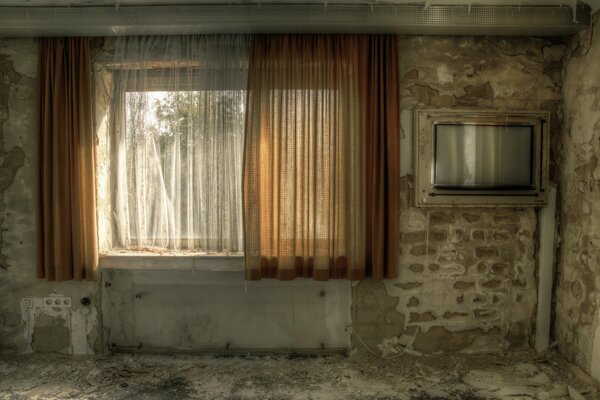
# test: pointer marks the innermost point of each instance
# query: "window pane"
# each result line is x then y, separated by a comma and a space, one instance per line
180, 170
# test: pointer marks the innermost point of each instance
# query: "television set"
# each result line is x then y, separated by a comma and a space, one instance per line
483, 158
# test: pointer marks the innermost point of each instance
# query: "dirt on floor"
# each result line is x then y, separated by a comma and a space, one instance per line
361, 376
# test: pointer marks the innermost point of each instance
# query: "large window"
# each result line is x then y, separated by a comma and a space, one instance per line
305, 130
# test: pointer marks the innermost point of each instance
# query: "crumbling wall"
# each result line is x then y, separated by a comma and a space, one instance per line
30, 317
578, 289
473, 287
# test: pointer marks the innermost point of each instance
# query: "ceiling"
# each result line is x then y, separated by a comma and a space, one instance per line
38, 3
594, 4
129, 17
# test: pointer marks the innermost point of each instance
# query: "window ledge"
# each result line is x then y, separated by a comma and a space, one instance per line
166, 262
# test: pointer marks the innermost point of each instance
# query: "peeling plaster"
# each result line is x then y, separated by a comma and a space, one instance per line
51, 324
477, 285
472, 288
21, 332
577, 306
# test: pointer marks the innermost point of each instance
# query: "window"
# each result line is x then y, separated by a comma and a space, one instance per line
179, 180
173, 152
319, 187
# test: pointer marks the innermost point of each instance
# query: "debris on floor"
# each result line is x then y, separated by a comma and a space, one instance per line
518, 376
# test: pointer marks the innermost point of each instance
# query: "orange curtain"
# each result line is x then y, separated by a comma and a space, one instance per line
316, 157
66, 220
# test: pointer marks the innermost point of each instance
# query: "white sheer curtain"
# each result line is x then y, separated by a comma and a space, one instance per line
177, 143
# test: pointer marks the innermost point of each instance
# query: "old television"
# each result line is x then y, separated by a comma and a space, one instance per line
481, 158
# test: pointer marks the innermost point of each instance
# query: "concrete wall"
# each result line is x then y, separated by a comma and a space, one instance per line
473, 289
578, 290
35, 315
200, 310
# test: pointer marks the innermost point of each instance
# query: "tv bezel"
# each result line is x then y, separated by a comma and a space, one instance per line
426, 193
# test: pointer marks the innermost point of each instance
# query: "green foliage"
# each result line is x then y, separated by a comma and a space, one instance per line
189, 115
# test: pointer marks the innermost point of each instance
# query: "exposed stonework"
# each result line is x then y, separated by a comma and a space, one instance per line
472, 288
578, 288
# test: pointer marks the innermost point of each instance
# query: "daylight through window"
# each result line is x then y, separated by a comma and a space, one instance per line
179, 171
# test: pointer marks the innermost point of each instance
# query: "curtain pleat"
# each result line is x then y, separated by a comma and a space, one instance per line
380, 125
319, 197
66, 219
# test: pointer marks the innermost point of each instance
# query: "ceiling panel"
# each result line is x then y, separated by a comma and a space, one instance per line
594, 4
38, 3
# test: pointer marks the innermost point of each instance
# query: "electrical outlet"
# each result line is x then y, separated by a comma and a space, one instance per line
57, 302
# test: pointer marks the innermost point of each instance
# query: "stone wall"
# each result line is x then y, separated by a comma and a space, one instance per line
578, 289
473, 288
27, 323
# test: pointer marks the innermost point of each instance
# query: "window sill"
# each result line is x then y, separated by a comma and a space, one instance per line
175, 262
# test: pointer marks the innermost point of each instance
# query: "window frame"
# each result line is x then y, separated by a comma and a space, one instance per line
123, 258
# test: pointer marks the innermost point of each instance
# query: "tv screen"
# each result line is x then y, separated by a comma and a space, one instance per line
470, 156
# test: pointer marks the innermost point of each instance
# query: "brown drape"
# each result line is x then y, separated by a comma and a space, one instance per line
380, 124
66, 219
321, 157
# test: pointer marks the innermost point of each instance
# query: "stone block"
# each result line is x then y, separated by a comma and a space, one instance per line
486, 252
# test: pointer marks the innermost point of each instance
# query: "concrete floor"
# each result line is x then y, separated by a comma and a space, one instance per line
515, 377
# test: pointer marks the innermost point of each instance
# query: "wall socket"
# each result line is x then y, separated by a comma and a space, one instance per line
57, 302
